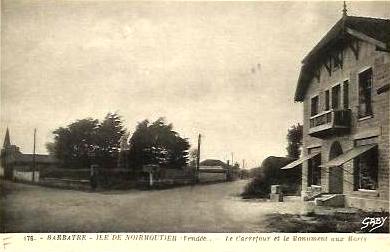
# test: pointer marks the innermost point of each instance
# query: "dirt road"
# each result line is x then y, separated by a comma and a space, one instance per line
201, 208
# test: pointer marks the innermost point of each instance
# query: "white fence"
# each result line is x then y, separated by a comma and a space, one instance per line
27, 176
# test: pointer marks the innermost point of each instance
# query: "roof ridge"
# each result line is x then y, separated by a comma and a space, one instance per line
374, 18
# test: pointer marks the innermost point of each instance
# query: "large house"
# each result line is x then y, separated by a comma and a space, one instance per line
344, 86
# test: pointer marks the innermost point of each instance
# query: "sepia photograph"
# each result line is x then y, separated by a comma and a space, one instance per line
200, 117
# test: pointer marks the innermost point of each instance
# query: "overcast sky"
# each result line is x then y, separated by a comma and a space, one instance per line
227, 70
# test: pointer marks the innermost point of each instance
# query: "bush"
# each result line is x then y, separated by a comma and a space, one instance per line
269, 173
115, 178
257, 187
77, 174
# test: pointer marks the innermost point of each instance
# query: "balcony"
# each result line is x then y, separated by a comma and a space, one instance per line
330, 123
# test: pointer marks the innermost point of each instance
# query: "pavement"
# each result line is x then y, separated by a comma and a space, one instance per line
199, 208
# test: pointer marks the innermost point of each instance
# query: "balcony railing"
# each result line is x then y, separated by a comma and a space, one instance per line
330, 123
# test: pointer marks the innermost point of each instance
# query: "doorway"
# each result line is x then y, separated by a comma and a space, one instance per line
336, 172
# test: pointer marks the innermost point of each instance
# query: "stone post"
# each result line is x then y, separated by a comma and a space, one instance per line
276, 193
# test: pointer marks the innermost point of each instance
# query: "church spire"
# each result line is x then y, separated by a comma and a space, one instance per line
345, 10
7, 141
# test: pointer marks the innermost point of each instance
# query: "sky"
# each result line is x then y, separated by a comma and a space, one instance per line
226, 70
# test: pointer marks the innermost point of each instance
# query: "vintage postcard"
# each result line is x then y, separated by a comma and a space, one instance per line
143, 125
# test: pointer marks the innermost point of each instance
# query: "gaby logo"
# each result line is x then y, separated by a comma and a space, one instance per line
373, 223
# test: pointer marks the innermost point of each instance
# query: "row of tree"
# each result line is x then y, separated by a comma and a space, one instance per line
108, 144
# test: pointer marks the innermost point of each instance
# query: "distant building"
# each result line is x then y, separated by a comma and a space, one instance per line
154, 175
344, 86
213, 170
18, 166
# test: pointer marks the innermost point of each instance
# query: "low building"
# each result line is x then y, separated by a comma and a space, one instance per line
156, 176
212, 170
18, 166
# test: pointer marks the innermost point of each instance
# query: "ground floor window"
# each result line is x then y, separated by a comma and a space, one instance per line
366, 171
314, 171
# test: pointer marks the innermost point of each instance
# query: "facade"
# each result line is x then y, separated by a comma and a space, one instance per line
18, 166
344, 87
209, 174
213, 170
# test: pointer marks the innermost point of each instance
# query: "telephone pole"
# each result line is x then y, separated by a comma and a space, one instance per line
33, 157
232, 160
198, 156
198, 159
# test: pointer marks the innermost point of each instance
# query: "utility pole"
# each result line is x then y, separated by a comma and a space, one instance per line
243, 164
232, 160
198, 157
33, 157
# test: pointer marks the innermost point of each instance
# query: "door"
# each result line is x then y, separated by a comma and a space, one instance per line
335, 173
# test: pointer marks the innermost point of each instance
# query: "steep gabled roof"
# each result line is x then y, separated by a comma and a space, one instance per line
213, 162
376, 28
7, 141
372, 30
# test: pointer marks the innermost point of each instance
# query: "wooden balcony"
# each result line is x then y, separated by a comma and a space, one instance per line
330, 123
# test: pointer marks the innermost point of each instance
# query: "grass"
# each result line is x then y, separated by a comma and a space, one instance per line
315, 223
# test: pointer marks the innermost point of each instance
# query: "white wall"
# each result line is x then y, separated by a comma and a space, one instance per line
26, 176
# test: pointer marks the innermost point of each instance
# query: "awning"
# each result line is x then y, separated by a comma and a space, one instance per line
351, 154
299, 161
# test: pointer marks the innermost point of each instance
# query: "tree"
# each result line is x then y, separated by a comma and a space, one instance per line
124, 151
109, 134
294, 140
193, 155
74, 144
157, 143
87, 142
